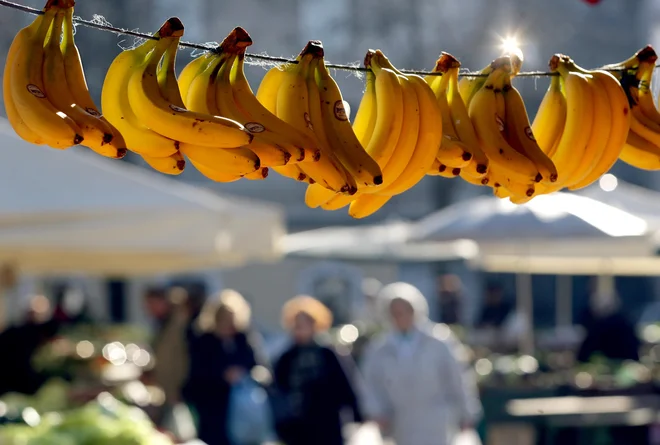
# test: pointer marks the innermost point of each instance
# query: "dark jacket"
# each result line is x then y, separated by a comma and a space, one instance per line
317, 388
206, 389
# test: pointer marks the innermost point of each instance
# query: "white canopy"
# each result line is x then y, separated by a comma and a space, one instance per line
73, 211
560, 233
385, 241
640, 201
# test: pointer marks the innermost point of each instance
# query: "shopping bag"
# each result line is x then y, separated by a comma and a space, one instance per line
179, 421
249, 419
467, 437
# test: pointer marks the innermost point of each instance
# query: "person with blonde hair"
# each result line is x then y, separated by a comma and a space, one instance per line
416, 389
311, 381
223, 353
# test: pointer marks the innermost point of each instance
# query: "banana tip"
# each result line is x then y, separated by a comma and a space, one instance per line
482, 169
647, 54
378, 180
314, 48
367, 58
121, 153
237, 40
173, 27
181, 165
446, 62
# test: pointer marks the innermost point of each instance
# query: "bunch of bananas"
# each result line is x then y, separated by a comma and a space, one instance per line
582, 123
642, 147
215, 83
141, 97
304, 95
399, 125
45, 92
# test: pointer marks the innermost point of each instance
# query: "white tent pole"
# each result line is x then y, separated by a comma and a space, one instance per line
525, 307
564, 301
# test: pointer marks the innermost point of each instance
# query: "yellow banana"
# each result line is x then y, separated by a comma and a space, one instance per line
191, 70
293, 107
640, 153
214, 175
237, 161
501, 179
339, 132
52, 125
602, 124
367, 205
117, 109
618, 131
269, 152
75, 79
550, 118
520, 135
389, 111
579, 123
439, 169
172, 121
13, 116
257, 175
469, 85
98, 134
298, 144
489, 125
430, 135
269, 88
166, 75
478, 166
170, 165
365, 118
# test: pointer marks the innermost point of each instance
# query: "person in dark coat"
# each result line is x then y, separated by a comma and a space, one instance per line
219, 357
312, 379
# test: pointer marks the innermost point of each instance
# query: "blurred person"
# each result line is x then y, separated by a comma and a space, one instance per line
312, 381
416, 389
70, 306
223, 353
449, 299
609, 332
18, 344
496, 308
168, 310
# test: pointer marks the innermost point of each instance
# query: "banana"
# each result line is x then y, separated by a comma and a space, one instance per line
293, 107
301, 147
500, 179
97, 133
191, 70
640, 153
406, 137
367, 205
602, 124
166, 75
430, 135
618, 130
439, 169
488, 126
269, 88
170, 165
75, 79
576, 136
339, 132
53, 125
457, 125
214, 175
237, 161
318, 128
365, 118
172, 121
13, 116
264, 142
389, 111
117, 109
520, 135
550, 118
257, 175
469, 85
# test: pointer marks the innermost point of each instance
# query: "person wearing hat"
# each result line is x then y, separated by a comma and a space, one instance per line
311, 381
415, 387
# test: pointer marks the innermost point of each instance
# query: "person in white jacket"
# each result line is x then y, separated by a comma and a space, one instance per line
415, 387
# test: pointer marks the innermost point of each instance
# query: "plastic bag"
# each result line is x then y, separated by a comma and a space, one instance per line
249, 419
179, 421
